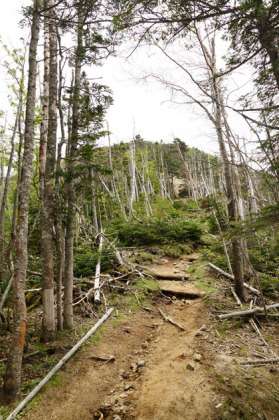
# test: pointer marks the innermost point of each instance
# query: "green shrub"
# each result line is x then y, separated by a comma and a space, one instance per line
269, 285
263, 259
85, 261
158, 230
185, 205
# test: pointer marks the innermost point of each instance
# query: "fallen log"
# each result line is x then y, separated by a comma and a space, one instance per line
259, 362
247, 312
171, 321
231, 277
57, 367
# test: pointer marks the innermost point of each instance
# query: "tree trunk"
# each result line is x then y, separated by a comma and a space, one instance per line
12, 378
71, 195
48, 321
45, 111
237, 257
58, 204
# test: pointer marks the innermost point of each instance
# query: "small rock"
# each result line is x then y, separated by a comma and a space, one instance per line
173, 297
197, 357
144, 345
116, 417
109, 393
123, 395
128, 330
226, 415
190, 366
232, 410
122, 372
128, 386
141, 363
134, 367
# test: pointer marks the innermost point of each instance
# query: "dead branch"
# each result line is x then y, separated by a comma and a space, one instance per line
248, 312
171, 321
231, 277
236, 297
57, 367
255, 327
102, 359
259, 362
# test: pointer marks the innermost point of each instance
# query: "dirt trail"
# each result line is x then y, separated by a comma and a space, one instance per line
159, 373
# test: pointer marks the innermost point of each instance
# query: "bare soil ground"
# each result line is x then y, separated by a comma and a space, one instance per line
156, 383
163, 373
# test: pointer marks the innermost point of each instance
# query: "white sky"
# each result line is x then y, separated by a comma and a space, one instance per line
138, 108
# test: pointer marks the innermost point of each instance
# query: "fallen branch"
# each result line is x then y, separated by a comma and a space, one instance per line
57, 367
248, 312
259, 362
171, 321
236, 297
255, 327
102, 359
231, 277
32, 290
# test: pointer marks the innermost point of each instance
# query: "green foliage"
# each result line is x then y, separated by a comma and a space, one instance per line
269, 285
85, 260
158, 230
185, 205
264, 259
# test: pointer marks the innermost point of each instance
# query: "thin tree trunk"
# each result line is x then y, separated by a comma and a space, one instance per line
58, 203
71, 194
12, 378
236, 246
48, 321
45, 110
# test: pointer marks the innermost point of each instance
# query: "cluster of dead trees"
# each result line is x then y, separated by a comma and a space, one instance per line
67, 167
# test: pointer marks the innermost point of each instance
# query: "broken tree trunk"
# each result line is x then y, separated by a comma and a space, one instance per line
97, 298
248, 312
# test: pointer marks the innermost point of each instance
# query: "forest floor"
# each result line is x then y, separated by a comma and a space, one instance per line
160, 372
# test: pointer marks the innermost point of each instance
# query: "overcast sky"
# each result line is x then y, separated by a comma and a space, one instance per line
139, 108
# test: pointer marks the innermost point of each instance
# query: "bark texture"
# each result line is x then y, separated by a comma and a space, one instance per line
12, 378
48, 321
